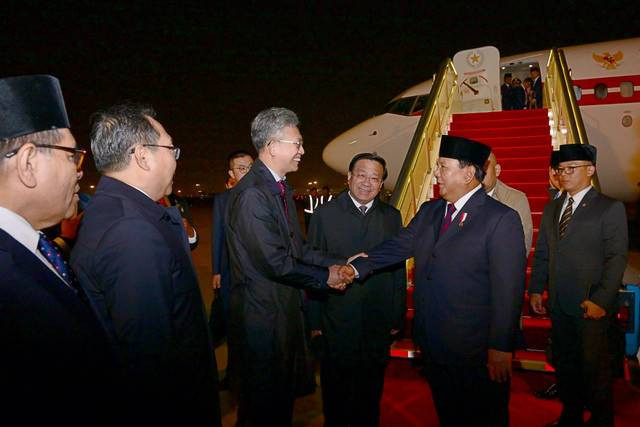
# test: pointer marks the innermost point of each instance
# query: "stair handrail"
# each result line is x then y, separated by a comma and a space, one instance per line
414, 181
567, 126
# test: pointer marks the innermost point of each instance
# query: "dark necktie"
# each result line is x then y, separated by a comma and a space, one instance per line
451, 208
566, 217
51, 252
363, 209
283, 197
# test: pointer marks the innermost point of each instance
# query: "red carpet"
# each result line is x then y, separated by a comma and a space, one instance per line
407, 400
521, 141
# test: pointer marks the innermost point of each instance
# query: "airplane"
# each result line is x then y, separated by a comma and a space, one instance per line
606, 79
606, 83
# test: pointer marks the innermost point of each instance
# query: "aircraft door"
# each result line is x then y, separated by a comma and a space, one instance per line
479, 78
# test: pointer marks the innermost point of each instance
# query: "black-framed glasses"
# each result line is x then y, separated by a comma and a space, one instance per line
77, 158
176, 150
569, 169
242, 168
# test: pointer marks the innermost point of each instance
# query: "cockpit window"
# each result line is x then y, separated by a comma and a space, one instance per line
401, 106
419, 105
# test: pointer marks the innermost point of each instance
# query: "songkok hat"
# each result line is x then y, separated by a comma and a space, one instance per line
30, 104
570, 152
555, 158
507, 74
455, 147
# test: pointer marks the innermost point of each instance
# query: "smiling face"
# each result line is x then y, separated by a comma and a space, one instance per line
365, 180
286, 149
453, 179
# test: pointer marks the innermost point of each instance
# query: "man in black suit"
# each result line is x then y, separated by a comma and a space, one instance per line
581, 253
505, 92
239, 165
270, 264
537, 84
357, 326
55, 362
132, 258
470, 269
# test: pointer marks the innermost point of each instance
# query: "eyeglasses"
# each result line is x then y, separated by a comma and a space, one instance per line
373, 179
176, 150
242, 169
77, 158
298, 144
569, 169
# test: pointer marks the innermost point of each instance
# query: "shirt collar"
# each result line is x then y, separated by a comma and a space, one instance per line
18, 228
463, 200
277, 177
577, 198
358, 204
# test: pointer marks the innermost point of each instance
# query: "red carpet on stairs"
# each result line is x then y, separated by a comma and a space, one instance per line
521, 141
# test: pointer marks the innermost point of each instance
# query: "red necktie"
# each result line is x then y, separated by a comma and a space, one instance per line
283, 197
451, 208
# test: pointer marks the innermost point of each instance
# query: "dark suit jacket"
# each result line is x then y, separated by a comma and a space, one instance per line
505, 93
469, 281
132, 258
518, 98
589, 262
219, 253
537, 88
270, 264
356, 324
56, 363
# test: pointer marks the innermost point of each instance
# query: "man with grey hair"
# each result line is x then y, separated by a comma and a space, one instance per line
132, 258
55, 362
270, 265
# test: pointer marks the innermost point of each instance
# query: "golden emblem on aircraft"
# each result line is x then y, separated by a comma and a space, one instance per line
609, 61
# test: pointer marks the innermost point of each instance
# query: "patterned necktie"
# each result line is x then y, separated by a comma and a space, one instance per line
51, 252
283, 197
363, 209
566, 217
451, 208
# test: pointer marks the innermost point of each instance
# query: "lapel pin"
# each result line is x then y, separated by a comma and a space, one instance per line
463, 217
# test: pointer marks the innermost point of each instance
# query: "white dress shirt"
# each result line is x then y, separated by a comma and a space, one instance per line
577, 198
358, 204
462, 201
18, 228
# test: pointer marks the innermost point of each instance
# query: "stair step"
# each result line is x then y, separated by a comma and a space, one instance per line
523, 175
511, 141
502, 132
496, 115
500, 123
531, 361
522, 151
541, 162
530, 188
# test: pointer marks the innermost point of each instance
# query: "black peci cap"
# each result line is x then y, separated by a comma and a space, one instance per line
455, 147
30, 104
570, 152
555, 158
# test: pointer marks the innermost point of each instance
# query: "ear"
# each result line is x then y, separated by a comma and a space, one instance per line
498, 169
230, 172
27, 163
349, 176
142, 157
591, 170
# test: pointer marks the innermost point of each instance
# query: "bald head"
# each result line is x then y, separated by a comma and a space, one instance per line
493, 172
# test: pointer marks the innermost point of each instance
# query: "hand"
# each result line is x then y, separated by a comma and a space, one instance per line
592, 310
315, 333
499, 365
394, 332
188, 227
536, 303
347, 273
335, 280
216, 281
361, 254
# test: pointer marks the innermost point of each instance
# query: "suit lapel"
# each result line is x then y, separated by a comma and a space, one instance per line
580, 211
466, 214
556, 215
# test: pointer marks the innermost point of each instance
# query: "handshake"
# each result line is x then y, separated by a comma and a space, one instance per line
342, 275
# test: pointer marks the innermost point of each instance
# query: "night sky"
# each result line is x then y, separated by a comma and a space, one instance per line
208, 68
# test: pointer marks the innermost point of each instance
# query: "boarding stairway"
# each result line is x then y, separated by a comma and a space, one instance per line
522, 142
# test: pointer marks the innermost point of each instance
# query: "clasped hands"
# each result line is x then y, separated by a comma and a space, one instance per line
340, 276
